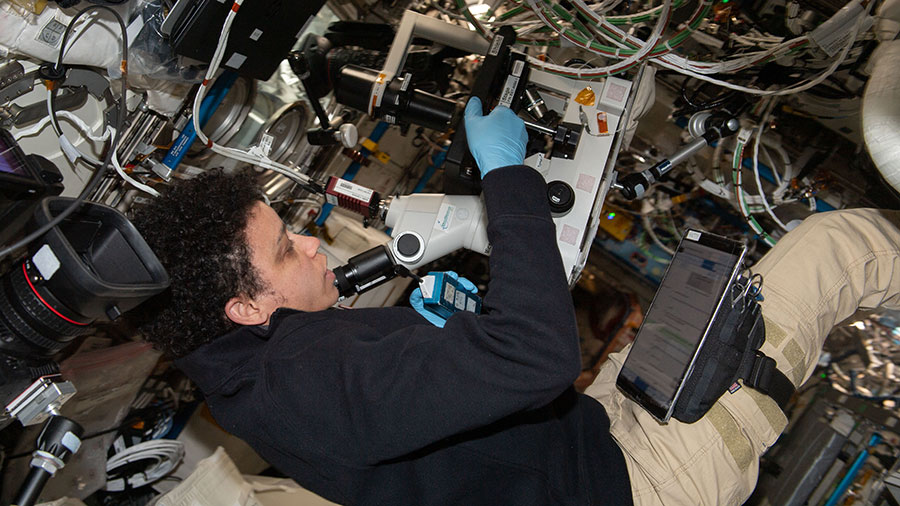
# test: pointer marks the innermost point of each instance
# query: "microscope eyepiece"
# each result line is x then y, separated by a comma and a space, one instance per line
364, 271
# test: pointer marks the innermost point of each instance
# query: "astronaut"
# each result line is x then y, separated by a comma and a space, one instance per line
382, 406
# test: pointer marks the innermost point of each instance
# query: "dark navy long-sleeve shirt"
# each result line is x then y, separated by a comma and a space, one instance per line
378, 406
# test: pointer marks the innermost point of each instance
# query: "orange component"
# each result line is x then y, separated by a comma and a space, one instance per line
602, 125
586, 97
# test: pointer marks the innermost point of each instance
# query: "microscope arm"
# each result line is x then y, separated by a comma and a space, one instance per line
425, 227
633, 186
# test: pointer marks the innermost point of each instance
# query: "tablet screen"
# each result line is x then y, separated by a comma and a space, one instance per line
678, 319
9, 162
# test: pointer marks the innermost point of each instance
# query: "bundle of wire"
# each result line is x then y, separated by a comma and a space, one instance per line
631, 49
158, 458
740, 195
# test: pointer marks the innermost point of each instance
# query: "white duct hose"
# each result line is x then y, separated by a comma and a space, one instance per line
881, 112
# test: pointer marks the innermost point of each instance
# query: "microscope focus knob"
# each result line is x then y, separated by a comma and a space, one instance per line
561, 197
408, 247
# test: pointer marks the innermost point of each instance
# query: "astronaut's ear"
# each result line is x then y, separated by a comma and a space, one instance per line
244, 310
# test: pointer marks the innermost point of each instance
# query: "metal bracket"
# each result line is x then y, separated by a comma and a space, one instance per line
41, 399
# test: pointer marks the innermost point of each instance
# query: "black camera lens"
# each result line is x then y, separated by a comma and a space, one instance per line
32, 321
399, 103
93, 266
364, 271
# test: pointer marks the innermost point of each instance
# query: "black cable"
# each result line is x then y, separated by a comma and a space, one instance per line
100, 172
694, 106
62, 48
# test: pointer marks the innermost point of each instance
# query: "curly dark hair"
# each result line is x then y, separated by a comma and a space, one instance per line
197, 229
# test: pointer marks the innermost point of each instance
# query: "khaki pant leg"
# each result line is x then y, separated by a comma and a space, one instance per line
714, 461
816, 276
820, 274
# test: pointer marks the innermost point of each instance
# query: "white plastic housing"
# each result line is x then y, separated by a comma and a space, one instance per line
445, 223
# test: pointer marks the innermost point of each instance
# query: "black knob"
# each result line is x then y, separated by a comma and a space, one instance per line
408, 245
560, 196
634, 185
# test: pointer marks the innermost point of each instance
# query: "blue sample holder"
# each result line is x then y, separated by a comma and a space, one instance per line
444, 295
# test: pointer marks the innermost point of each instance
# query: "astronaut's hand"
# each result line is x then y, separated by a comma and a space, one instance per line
418, 302
496, 140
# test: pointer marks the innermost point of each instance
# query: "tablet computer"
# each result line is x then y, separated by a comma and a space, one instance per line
678, 320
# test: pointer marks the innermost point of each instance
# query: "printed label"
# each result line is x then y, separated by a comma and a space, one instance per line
471, 305
370, 283
257, 33
445, 217
460, 302
449, 293
235, 61
427, 287
495, 45
377, 92
353, 190
693, 235
405, 84
509, 91
51, 33
46, 262
518, 67
265, 144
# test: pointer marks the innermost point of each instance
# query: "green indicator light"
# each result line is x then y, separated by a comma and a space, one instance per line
610, 216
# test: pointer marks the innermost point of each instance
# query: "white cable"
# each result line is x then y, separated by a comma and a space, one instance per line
778, 194
608, 5
128, 179
649, 228
786, 91
628, 17
700, 70
645, 47
80, 123
666, 61
166, 453
69, 149
762, 194
236, 154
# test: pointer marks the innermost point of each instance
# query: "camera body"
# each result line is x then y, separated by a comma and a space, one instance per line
90, 267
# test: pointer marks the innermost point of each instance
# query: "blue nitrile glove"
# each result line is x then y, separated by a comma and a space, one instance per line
418, 302
495, 140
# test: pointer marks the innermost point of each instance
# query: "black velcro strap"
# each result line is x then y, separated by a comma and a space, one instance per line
766, 378
781, 389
